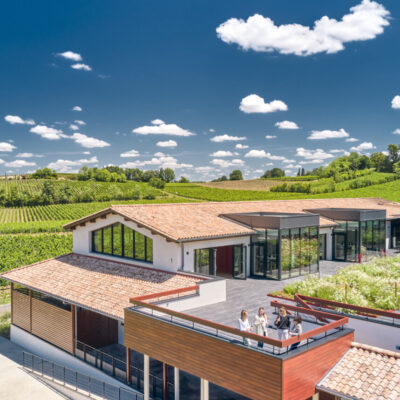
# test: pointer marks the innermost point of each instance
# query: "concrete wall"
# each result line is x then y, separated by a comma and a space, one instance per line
166, 255
375, 334
49, 352
210, 292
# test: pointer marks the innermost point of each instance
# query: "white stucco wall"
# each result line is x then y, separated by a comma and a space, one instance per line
388, 235
189, 248
329, 241
166, 255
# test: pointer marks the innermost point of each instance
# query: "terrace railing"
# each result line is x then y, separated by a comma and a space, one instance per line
270, 345
76, 381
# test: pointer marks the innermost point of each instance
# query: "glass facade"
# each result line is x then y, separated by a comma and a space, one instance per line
352, 238
122, 241
285, 253
204, 261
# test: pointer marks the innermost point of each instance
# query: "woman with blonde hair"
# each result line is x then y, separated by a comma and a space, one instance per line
261, 323
244, 326
282, 322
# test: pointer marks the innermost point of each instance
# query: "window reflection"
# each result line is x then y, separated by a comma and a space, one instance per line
122, 241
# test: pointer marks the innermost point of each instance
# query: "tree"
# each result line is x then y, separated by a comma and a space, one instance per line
396, 168
134, 174
377, 161
393, 155
114, 168
236, 175
157, 183
183, 180
275, 173
45, 173
167, 174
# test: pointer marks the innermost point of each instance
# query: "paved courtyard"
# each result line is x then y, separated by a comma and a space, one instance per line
249, 294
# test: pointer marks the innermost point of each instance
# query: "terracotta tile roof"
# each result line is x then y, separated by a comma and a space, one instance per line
185, 221
100, 285
365, 373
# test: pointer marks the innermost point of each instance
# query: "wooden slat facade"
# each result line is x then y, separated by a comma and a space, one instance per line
44, 320
21, 310
301, 373
52, 324
249, 373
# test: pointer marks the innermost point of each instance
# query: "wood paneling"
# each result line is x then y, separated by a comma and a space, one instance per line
302, 373
21, 313
250, 373
96, 329
52, 324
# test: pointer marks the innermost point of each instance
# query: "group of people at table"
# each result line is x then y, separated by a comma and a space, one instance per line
260, 326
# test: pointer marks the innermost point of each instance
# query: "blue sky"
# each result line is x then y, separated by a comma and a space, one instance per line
197, 86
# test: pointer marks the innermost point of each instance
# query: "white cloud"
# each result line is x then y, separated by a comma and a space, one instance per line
396, 131
275, 158
287, 125
157, 121
6, 147
225, 163
317, 154
316, 161
204, 170
15, 119
47, 132
76, 108
130, 153
87, 141
227, 138
159, 127
256, 104
74, 127
288, 162
270, 137
352, 140
241, 146
28, 155
80, 122
19, 164
221, 153
161, 161
256, 154
363, 146
167, 143
328, 134
328, 35
80, 66
70, 55
67, 165
211, 130
396, 102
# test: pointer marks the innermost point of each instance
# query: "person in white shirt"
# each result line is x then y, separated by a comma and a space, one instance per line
261, 323
244, 326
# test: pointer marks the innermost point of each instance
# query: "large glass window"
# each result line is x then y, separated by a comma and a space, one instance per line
122, 241
204, 261
373, 236
296, 252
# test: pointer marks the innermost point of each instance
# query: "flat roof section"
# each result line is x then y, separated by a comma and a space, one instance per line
96, 284
264, 220
350, 214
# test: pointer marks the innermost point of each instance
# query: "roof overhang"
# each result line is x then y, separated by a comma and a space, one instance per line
350, 214
274, 220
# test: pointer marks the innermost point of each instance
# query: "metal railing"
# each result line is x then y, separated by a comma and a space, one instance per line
250, 340
74, 380
116, 368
